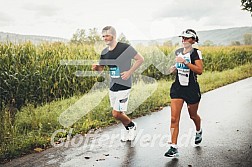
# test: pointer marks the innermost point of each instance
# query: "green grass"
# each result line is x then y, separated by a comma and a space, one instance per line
33, 127
212, 80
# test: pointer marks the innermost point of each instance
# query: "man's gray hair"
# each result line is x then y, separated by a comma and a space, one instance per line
109, 30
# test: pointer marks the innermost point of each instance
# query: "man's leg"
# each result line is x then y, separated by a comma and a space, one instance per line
120, 106
121, 116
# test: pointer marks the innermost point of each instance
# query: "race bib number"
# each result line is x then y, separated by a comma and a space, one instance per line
114, 72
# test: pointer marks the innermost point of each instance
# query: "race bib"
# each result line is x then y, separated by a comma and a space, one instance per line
183, 71
114, 72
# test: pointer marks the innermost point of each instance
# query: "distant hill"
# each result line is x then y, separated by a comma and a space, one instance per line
217, 36
18, 38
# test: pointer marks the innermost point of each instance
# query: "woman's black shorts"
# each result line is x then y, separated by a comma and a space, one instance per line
190, 94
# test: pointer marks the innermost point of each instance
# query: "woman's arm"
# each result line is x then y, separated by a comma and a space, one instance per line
197, 67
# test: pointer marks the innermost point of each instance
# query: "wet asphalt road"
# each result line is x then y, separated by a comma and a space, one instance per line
226, 115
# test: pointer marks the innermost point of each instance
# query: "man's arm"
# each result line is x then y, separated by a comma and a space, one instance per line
138, 61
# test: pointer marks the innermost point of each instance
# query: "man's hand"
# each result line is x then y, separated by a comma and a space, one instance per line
94, 67
97, 67
125, 75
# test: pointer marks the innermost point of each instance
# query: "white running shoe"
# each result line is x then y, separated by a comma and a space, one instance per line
132, 132
124, 135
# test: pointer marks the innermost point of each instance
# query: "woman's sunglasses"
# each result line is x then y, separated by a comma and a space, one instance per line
185, 38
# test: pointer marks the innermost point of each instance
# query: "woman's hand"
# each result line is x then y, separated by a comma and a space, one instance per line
180, 59
173, 70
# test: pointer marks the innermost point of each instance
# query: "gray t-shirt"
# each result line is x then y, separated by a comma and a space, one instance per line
118, 60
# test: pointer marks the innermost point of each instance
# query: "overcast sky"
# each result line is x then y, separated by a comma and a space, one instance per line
137, 19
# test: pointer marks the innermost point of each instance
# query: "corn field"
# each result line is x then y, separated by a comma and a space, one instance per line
222, 58
32, 74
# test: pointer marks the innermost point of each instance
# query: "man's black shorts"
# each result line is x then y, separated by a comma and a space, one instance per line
190, 94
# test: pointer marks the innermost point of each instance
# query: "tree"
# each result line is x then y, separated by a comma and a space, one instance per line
153, 43
247, 39
235, 43
79, 37
123, 39
93, 36
247, 5
167, 43
208, 43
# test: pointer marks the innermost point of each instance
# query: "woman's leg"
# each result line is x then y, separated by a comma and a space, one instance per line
192, 109
176, 106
